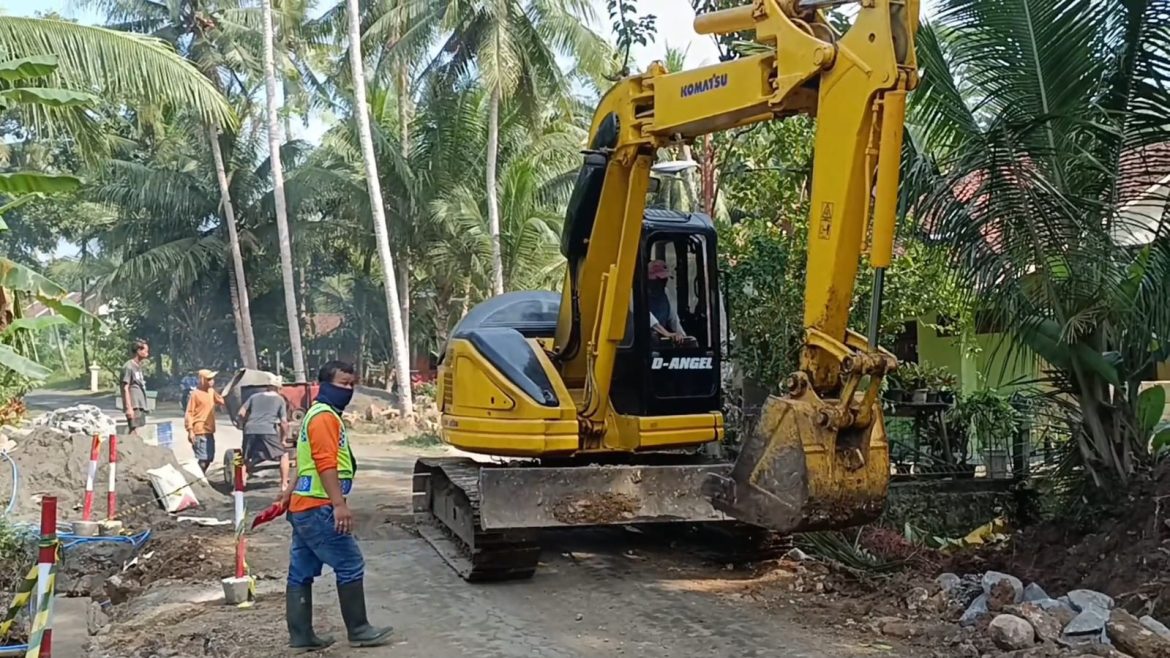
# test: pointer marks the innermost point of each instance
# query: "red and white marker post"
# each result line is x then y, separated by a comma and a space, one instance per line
112, 495
90, 476
237, 590
46, 558
238, 496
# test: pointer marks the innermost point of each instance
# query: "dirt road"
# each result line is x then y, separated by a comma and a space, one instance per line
601, 593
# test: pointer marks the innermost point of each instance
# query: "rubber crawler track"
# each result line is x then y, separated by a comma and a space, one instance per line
446, 511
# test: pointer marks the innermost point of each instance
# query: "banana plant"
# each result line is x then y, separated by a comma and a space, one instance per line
21, 92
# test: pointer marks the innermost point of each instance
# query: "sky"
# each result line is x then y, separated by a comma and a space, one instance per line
674, 28
674, 25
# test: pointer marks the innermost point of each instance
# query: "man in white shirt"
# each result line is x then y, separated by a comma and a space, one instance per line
663, 318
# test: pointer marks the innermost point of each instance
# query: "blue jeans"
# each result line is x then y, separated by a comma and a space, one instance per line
316, 542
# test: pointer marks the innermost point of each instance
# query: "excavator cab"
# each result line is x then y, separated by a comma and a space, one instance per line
669, 360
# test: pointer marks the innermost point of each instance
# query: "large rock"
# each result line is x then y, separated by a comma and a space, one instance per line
1062, 610
990, 579
119, 588
1087, 598
1011, 633
948, 582
1130, 636
1048, 628
977, 609
1002, 595
1034, 592
1088, 626
1154, 625
96, 620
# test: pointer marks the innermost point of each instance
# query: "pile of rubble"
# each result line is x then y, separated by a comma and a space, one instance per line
53, 462
389, 419
997, 609
80, 419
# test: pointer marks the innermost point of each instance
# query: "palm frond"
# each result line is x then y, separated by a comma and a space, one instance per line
116, 65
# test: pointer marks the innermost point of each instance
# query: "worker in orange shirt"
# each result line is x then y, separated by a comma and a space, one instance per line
200, 418
322, 521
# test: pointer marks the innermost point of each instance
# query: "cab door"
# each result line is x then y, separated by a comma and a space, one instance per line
682, 375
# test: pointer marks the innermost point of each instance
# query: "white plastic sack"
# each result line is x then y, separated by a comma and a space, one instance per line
171, 488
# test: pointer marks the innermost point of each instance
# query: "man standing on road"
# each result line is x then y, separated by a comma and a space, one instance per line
322, 521
134, 387
188, 383
200, 418
265, 417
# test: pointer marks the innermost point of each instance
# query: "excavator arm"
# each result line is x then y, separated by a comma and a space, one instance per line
819, 456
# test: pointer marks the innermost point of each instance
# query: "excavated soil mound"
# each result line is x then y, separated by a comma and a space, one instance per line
185, 553
1126, 553
51, 462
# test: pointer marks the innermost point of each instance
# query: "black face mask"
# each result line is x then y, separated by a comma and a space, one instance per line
658, 285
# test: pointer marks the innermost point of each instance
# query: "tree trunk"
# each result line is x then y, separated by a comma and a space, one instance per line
286, 264
86, 305
404, 294
363, 317
707, 169
61, 351
381, 233
233, 294
244, 326
493, 145
404, 259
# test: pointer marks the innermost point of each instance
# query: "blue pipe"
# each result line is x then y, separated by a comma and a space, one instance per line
69, 539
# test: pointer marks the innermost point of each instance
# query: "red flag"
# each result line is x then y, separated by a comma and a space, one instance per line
271, 512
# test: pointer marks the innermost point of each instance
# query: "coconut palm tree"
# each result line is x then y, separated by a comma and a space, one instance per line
215, 37
514, 47
377, 210
285, 240
126, 68
1038, 126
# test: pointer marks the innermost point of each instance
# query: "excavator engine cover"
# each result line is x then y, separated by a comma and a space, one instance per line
794, 473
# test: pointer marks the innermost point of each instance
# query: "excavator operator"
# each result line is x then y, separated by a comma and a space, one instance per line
663, 318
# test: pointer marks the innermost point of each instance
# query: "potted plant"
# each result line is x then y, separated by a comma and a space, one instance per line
943, 384
948, 384
895, 390
932, 380
990, 421
913, 378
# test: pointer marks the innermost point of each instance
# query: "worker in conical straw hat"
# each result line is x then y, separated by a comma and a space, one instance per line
264, 417
200, 418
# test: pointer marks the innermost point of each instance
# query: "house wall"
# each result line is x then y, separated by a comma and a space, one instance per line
991, 365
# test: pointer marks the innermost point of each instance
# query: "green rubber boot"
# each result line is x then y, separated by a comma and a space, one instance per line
352, 597
298, 613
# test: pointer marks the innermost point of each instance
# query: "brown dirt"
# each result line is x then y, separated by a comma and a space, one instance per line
1125, 554
596, 509
205, 629
186, 553
51, 462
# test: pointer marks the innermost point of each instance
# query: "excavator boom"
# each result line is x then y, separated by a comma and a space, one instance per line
819, 456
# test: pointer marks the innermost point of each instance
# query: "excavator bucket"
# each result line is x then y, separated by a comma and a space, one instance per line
795, 474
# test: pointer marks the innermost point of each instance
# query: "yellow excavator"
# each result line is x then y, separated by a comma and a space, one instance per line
593, 404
